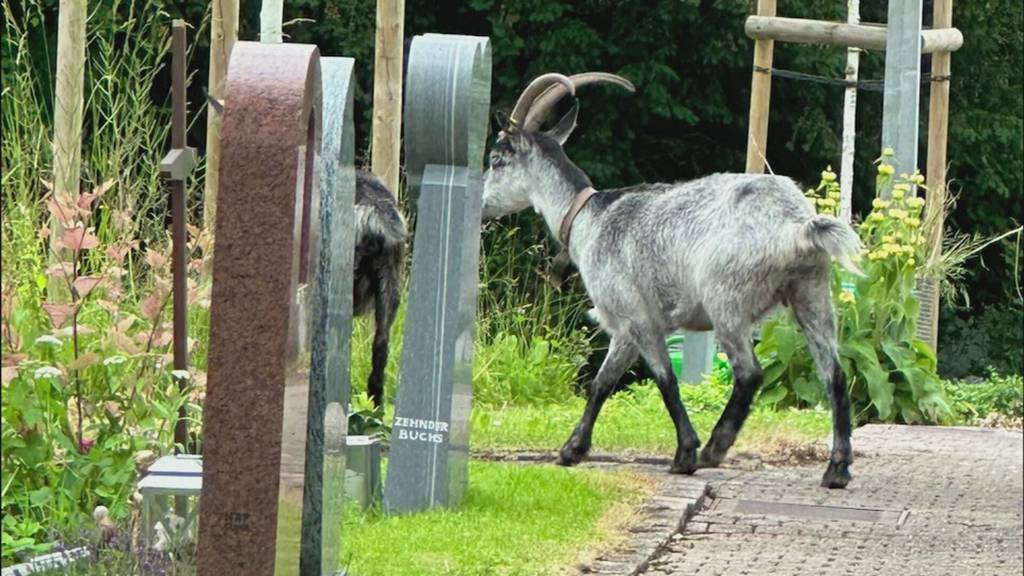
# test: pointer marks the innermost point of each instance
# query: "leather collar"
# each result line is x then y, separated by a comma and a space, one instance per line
577, 204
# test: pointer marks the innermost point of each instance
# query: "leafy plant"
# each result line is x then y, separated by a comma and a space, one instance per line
998, 394
891, 373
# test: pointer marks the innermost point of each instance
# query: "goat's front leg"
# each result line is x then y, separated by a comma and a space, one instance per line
655, 353
621, 355
748, 376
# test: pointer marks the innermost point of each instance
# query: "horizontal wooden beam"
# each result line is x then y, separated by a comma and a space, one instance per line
864, 36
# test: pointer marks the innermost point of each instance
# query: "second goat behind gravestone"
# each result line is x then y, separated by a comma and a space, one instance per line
380, 237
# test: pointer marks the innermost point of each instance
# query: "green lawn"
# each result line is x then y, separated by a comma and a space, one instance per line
636, 422
515, 520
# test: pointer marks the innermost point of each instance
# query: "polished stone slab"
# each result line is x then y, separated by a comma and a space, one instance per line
259, 364
447, 98
331, 327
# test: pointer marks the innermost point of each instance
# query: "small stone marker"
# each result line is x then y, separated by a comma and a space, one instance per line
254, 417
447, 98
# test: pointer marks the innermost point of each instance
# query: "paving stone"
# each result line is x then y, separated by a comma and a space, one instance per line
952, 497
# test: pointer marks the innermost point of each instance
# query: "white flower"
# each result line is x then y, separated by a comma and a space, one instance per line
46, 372
181, 375
49, 339
114, 360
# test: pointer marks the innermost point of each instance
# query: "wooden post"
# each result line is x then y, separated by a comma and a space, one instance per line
760, 96
387, 91
67, 125
938, 133
271, 17
901, 101
849, 120
223, 35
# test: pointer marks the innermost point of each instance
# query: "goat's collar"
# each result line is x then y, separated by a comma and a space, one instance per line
577, 204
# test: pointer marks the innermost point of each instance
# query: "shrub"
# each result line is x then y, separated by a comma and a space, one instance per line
997, 395
891, 373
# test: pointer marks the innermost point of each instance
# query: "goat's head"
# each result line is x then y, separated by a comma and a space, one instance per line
522, 150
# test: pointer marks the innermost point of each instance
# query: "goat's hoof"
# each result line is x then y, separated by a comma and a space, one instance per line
837, 475
570, 456
708, 460
684, 465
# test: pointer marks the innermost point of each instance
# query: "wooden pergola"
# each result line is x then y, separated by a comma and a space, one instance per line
904, 41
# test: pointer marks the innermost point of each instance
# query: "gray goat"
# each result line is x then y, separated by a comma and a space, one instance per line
377, 274
717, 253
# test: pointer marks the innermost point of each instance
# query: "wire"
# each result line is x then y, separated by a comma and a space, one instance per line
866, 85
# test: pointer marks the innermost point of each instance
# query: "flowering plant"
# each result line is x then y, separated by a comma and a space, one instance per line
891, 373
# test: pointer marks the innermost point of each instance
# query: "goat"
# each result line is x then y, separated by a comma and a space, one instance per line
717, 253
380, 235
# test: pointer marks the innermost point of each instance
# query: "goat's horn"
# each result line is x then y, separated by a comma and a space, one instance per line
534, 89
552, 94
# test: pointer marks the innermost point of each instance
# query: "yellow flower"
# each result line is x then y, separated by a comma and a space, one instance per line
887, 238
898, 214
917, 178
845, 296
828, 175
888, 152
913, 222
878, 203
915, 202
886, 169
911, 262
875, 217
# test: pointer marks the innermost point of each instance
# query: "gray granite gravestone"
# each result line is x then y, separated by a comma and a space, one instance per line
331, 327
447, 98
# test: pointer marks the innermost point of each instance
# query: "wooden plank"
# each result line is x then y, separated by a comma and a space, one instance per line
223, 35
938, 134
760, 96
387, 92
67, 122
849, 120
901, 101
816, 32
849, 34
941, 40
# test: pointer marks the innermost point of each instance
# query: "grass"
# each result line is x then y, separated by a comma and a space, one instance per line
522, 520
636, 422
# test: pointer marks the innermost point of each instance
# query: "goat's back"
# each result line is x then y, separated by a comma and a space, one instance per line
677, 249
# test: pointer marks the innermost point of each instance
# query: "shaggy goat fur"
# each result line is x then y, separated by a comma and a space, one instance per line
377, 277
717, 253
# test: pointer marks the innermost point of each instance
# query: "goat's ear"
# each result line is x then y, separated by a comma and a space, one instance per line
566, 125
499, 121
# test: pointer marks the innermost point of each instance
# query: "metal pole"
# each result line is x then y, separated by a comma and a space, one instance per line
900, 107
179, 256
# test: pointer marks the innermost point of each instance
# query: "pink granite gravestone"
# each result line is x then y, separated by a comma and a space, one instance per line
254, 415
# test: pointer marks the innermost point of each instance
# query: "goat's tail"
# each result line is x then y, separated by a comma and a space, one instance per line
382, 220
834, 237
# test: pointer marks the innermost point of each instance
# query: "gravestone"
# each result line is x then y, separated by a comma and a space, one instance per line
447, 98
264, 429
331, 330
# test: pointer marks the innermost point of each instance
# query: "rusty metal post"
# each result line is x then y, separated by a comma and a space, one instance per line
176, 167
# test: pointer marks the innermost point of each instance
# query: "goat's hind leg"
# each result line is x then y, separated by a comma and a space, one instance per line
812, 307
621, 355
386, 301
747, 377
655, 353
